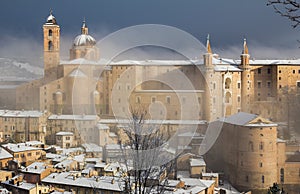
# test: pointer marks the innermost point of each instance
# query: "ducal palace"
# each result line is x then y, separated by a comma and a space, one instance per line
253, 96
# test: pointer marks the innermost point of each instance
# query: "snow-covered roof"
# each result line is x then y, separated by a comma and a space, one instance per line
51, 19
102, 126
64, 163
4, 154
197, 162
72, 150
22, 185
100, 165
210, 174
275, 62
4, 191
79, 158
91, 147
101, 183
194, 189
32, 143
244, 119
84, 40
172, 122
156, 62
226, 68
112, 147
197, 182
64, 133
19, 147
35, 168
20, 113
240, 118
77, 73
73, 117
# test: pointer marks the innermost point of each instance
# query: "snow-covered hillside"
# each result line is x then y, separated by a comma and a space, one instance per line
11, 69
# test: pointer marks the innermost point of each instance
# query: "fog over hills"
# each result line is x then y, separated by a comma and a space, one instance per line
12, 69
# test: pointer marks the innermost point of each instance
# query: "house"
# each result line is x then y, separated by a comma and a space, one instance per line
23, 153
35, 172
5, 156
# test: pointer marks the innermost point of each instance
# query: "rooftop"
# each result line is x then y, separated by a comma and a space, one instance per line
197, 162
19, 147
73, 117
247, 119
91, 147
20, 113
35, 168
63, 133
66, 178
4, 154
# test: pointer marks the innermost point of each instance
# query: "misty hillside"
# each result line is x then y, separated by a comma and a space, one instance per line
11, 69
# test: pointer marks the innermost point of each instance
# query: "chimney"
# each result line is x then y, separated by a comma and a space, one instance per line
112, 181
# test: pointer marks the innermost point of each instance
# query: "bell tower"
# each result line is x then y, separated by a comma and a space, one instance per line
51, 47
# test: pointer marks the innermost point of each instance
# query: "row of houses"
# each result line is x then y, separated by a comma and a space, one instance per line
66, 130
77, 170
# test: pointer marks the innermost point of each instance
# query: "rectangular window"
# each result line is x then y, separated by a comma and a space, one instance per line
269, 71
298, 84
28, 154
239, 85
153, 99
168, 99
259, 84
259, 71
199, 100
268, 84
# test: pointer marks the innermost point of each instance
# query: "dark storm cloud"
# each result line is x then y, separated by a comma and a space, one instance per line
228, 22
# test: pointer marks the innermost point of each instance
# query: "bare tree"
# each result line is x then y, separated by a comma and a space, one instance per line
287, 8
146, 156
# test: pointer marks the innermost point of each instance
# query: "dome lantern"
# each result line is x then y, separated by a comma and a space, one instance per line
51, 19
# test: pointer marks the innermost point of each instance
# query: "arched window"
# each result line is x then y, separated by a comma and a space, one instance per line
50, 32
228, 97
227, 83
50, 46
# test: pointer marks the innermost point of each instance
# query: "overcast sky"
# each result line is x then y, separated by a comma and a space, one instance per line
227, 22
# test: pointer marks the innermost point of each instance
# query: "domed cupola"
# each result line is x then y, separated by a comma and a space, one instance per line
51, 19
84, 46
84, 39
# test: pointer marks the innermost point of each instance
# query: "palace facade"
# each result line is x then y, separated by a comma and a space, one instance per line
217, 87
